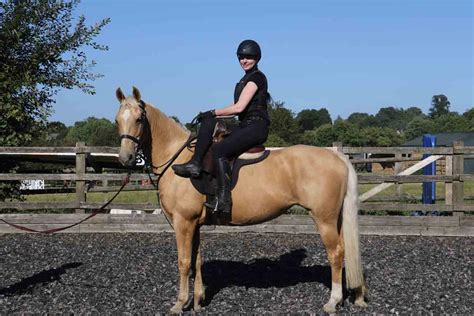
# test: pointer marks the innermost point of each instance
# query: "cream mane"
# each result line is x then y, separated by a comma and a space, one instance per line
167, 135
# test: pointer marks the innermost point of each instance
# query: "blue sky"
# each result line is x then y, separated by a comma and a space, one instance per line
347, 56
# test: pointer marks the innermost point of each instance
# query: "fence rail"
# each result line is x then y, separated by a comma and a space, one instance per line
297, 224
137, 177
83, 156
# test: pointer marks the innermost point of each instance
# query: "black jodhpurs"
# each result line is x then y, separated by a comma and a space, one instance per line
243, 137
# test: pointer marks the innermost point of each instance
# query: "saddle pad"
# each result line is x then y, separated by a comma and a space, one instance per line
239, 163
253, 153
206, 184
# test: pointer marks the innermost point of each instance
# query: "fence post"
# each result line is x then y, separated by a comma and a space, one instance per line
105, 186
398, 168
458, 184
80, 170
448, 185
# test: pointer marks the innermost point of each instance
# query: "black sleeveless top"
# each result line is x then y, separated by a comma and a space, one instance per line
257, 106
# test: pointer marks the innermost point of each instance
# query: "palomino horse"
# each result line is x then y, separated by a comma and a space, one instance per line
318, 179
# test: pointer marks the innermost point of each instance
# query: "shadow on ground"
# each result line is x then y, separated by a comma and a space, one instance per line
263, 273
27, 285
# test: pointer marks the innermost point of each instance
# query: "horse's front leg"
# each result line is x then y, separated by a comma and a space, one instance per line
199, 293
184, 230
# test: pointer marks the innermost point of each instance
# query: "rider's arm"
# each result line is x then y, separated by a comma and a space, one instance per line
247, 94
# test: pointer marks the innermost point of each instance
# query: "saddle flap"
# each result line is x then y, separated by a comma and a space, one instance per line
206, 183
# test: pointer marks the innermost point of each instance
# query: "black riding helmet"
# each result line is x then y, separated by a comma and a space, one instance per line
250, 48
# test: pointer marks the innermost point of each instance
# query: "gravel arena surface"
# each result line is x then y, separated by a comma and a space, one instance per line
244, 273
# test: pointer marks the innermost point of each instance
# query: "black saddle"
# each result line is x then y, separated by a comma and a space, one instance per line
206, 183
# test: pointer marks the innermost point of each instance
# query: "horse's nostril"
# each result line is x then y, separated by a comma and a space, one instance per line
130, 157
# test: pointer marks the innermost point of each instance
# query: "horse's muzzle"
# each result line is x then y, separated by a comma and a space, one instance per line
127, 159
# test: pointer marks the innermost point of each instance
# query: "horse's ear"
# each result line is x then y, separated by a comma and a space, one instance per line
136, 94
119, 94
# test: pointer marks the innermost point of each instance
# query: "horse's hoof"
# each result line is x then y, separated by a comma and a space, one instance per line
176, 309
361, 303
197, 308
197, 304
329, 308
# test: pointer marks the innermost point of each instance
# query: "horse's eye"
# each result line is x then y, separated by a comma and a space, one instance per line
139, 120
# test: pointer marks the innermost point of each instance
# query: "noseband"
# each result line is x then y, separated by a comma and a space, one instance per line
142, 156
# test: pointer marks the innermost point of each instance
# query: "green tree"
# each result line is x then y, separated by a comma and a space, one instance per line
309, 119
396, 118
283, 123
419, 126
381, 137
469, 115
309, 137
53, 135
41, 52
94, 132
274, 140
452, 122
362, 119
439, 106
347, 133
413, 112
388, 116
322, 136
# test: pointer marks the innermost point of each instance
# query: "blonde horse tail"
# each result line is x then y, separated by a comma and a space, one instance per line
350, 230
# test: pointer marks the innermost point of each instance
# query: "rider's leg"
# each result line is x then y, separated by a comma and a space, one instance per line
224, 183
193, 167
240, 140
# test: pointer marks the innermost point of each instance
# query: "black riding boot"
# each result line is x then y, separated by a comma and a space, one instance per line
224, 178
190, 169
193, 167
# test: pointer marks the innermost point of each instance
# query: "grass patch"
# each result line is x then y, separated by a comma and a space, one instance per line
123, 197
413, 190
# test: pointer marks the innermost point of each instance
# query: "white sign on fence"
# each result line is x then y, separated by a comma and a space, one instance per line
32, 185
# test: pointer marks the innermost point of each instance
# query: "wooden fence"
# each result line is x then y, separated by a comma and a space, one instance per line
84, 157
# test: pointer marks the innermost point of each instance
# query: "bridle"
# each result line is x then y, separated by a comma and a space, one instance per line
140, 154
139, 149
139, 140
144, 122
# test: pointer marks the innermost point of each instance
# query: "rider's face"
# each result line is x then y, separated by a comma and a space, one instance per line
247, 62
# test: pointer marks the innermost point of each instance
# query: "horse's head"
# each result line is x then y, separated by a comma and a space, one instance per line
131, 122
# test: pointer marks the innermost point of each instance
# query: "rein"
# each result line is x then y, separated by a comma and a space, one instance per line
148, 165
140, 152
54, 230
167, 164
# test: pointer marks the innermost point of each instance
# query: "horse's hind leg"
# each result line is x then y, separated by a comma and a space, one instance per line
198, 285
184, 238
335, 249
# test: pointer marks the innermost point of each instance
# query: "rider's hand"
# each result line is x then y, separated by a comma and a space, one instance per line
206, 115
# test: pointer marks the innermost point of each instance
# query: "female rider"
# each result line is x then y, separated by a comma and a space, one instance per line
250, 104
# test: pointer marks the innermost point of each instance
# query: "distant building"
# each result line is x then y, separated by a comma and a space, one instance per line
446, 140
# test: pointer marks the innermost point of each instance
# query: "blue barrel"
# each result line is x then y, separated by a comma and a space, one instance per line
429, 188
